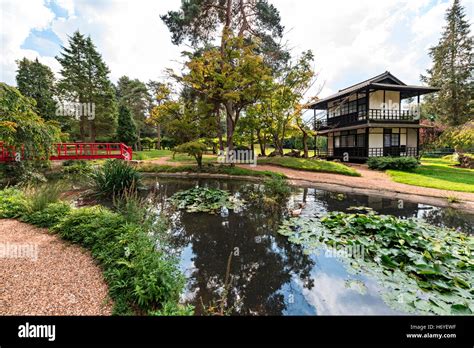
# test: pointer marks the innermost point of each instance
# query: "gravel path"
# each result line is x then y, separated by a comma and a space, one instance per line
63, 280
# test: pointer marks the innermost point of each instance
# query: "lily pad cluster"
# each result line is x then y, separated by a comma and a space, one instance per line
425, 269
204, 199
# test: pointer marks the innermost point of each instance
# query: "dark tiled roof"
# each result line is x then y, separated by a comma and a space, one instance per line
376, 81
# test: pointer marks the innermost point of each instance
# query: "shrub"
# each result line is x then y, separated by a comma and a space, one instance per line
192, 148
148, 143
23, 173
12, 203
398, 163
49, 216
115, 177
141, 279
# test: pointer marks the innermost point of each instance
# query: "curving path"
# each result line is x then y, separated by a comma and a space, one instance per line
63, 280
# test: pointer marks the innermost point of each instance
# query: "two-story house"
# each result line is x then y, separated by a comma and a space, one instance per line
376, 117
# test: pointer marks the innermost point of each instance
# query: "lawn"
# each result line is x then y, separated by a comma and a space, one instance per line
151, 154
312, 165
437, 173
182, 157
178, 157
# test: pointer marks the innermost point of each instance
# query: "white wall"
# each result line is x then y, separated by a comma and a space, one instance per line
392, 99
411, 137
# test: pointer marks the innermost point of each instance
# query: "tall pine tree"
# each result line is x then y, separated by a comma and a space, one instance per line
85, 80
36, 80
135, 96
452, 70
126, 130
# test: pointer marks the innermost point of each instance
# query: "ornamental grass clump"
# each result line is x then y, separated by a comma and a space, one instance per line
114, 178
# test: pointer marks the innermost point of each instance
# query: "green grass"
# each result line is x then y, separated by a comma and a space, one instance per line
181, 157
312, 165
152, 154
438, 173
156, 168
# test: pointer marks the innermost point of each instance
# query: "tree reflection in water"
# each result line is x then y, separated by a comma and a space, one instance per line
264, 267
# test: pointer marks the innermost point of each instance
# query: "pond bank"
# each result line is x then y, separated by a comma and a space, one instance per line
52, 278
343, 184
376, 183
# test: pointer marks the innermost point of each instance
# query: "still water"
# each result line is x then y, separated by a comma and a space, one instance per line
267, 275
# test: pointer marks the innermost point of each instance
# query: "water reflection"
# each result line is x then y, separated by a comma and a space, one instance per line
267, 275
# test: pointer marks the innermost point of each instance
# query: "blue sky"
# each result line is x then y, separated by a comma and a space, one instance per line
351, 40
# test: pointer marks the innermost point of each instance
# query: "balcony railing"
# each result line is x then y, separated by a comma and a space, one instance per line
392, 115
362, 152
376, 115
401, 151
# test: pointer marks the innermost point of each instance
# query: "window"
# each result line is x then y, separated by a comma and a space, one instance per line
362, 106
395, 139
344, 109
390, 138
337, 141
353, 106
347, 139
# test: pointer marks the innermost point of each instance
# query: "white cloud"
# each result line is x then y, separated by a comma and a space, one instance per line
355, 40
18, 18
129, 34
352, 40
68, 5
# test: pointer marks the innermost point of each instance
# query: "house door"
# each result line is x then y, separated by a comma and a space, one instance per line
391, 143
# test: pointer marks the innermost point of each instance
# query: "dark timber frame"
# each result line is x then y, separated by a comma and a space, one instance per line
361, 109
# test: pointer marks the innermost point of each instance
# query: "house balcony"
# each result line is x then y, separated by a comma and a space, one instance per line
373, 115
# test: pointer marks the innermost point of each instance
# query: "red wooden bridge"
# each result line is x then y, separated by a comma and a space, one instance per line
73, 151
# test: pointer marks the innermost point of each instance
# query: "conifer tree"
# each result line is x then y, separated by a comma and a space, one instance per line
126, 130
452, 70
85, 80
36, 80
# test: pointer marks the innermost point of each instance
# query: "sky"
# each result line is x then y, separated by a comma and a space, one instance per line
352, 40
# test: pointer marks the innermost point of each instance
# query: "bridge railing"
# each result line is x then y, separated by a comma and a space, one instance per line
76, 151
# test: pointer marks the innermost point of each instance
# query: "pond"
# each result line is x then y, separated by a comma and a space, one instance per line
266, 274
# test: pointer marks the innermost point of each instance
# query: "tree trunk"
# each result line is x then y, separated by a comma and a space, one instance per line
199, 160
231, 119
305, 145
158, 137
219, 127
139, 141
252, 147
92, 130
278, 144
82, 129
261, 143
